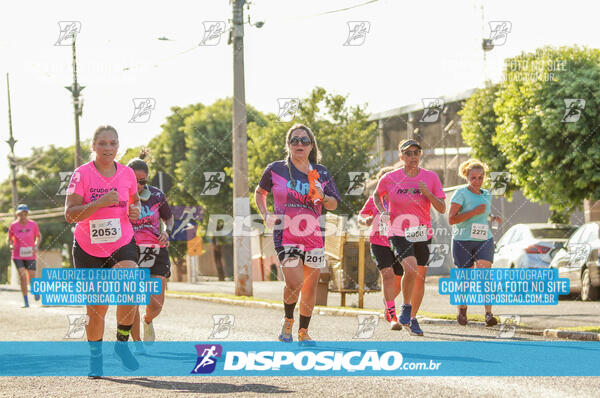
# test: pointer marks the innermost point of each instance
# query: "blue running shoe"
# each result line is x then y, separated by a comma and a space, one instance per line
286, 330
405, 315
415, 329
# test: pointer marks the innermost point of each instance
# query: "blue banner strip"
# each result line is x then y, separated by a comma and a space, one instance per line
346, 358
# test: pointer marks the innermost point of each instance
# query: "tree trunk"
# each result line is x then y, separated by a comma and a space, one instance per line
218, 258
181, 269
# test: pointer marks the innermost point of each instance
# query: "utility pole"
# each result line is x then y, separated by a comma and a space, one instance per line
12, 160
75, 90
242, 261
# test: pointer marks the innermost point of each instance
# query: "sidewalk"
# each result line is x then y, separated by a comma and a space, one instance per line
568, 313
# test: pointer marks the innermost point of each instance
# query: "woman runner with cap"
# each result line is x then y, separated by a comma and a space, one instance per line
390, 268
410, 192
24, 240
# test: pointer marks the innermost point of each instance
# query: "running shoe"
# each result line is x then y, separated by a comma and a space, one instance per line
286, 330
415, 329
125, 356
405, 315
395, 325
149, 335
304, 338
461, 318
96, 367
490, 320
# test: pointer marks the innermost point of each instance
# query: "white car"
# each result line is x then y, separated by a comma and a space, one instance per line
530, 245
579, 261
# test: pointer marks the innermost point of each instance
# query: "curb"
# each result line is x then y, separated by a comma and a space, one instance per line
572, 335
348, 312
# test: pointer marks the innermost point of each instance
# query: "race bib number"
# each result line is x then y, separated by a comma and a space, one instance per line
105, 231
26, 251
416, 234
315, 258
148, 255
479, 231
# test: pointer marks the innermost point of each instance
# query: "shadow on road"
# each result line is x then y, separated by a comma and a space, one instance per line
199, 386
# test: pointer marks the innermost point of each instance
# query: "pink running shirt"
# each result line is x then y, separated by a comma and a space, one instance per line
23, 239
408, 206
88, 183
369, 209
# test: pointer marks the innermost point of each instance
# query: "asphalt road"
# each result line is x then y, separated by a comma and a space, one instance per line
191, 320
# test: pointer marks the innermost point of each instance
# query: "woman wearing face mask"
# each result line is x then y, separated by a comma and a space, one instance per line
152, 244
390, 268
301, 189
472, 242
103, 200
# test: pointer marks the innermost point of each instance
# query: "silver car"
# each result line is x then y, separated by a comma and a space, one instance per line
530, 245
579, 261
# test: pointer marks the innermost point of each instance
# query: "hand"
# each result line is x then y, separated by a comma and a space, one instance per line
163, 238
35, 248
134, 212
479, 209
497, 219
320, 192
423, 188
366, 221
109, 199
271, 220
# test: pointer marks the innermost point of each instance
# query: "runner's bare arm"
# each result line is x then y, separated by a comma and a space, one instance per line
38, 240
260, 198
365, 220
377, 201
135, 207
76, 211
329, 202
455, 218
169, 223
436, 202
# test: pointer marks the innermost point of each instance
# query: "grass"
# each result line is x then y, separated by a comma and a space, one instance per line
594, 329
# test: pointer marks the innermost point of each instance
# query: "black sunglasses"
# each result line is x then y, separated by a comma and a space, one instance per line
305, 141
142, 182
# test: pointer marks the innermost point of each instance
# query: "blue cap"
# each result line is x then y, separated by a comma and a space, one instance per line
22, 207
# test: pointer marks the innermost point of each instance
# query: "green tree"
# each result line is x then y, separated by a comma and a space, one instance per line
42, 179
208, 139
554, 160
344, 135
479, 122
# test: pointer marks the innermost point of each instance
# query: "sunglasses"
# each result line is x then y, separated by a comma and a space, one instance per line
416, 152
305, 141
142, 182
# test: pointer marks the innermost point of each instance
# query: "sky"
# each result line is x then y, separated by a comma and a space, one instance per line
412, 50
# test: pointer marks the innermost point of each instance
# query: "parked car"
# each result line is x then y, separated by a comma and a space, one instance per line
579, 261
530, 245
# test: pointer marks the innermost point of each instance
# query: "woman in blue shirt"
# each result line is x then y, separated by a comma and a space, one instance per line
472, 241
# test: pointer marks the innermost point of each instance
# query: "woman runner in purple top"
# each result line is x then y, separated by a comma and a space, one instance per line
296, 222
